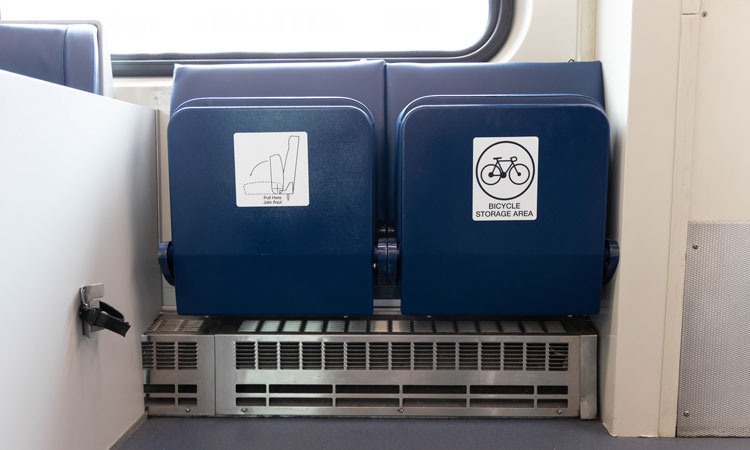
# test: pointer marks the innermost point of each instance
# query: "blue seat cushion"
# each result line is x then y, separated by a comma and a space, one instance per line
63, 54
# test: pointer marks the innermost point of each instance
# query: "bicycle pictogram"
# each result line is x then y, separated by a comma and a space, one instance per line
517, 173
505, 170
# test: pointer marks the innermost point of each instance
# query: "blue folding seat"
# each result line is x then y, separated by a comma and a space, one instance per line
406, 82
501, 199
66, 54
360, 80
271, 171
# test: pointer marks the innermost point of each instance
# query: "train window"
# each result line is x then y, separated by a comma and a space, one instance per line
159, 33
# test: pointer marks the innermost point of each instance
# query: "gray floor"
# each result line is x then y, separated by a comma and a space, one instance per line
393, 434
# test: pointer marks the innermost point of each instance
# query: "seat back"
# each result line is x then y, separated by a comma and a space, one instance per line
363, 81
272, 199
65, 54
505, 196
406, 82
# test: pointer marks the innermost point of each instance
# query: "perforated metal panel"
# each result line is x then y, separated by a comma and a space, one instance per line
714, 390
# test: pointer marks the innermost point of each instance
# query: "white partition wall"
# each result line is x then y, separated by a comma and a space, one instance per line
638, 43
78, 205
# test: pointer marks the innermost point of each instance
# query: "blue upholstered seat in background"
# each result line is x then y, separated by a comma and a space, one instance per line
66, 54
363, 81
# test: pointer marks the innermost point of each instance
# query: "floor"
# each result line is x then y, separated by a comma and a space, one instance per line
396, 434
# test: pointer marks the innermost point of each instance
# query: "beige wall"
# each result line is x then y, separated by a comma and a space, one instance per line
711, 157
543, 30
720, 182
676, 90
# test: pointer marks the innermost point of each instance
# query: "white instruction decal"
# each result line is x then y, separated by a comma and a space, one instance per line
505, 178
270, 169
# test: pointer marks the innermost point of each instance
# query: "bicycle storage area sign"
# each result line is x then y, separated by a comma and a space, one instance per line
505, 178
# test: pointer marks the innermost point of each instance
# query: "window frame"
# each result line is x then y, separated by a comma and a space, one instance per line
162, 64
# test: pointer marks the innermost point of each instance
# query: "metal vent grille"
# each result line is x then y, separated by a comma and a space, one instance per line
165, 356
187, 355
378, 356
401, 356
147, 355
312, 355
173, 324
513, 355
270, 326
491, 355
342, 367
468, 356
169, 325
356, 355
423, 355
398, 356
536, 356
179, 366
333, 355
184, 395
268, 357
383, 325
558, 357
446, 356
169, 355
314, 326
290, 355
192, 325
244, 355
417, 397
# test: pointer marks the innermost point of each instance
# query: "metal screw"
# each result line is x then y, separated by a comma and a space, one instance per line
187, 409
686, 414
401, 410
244, 410
695, 246
374, 265
571, 60
704, 13
559, 411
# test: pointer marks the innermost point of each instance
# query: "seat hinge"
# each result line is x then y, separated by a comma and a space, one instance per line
166, 262
386, 260
611, 260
